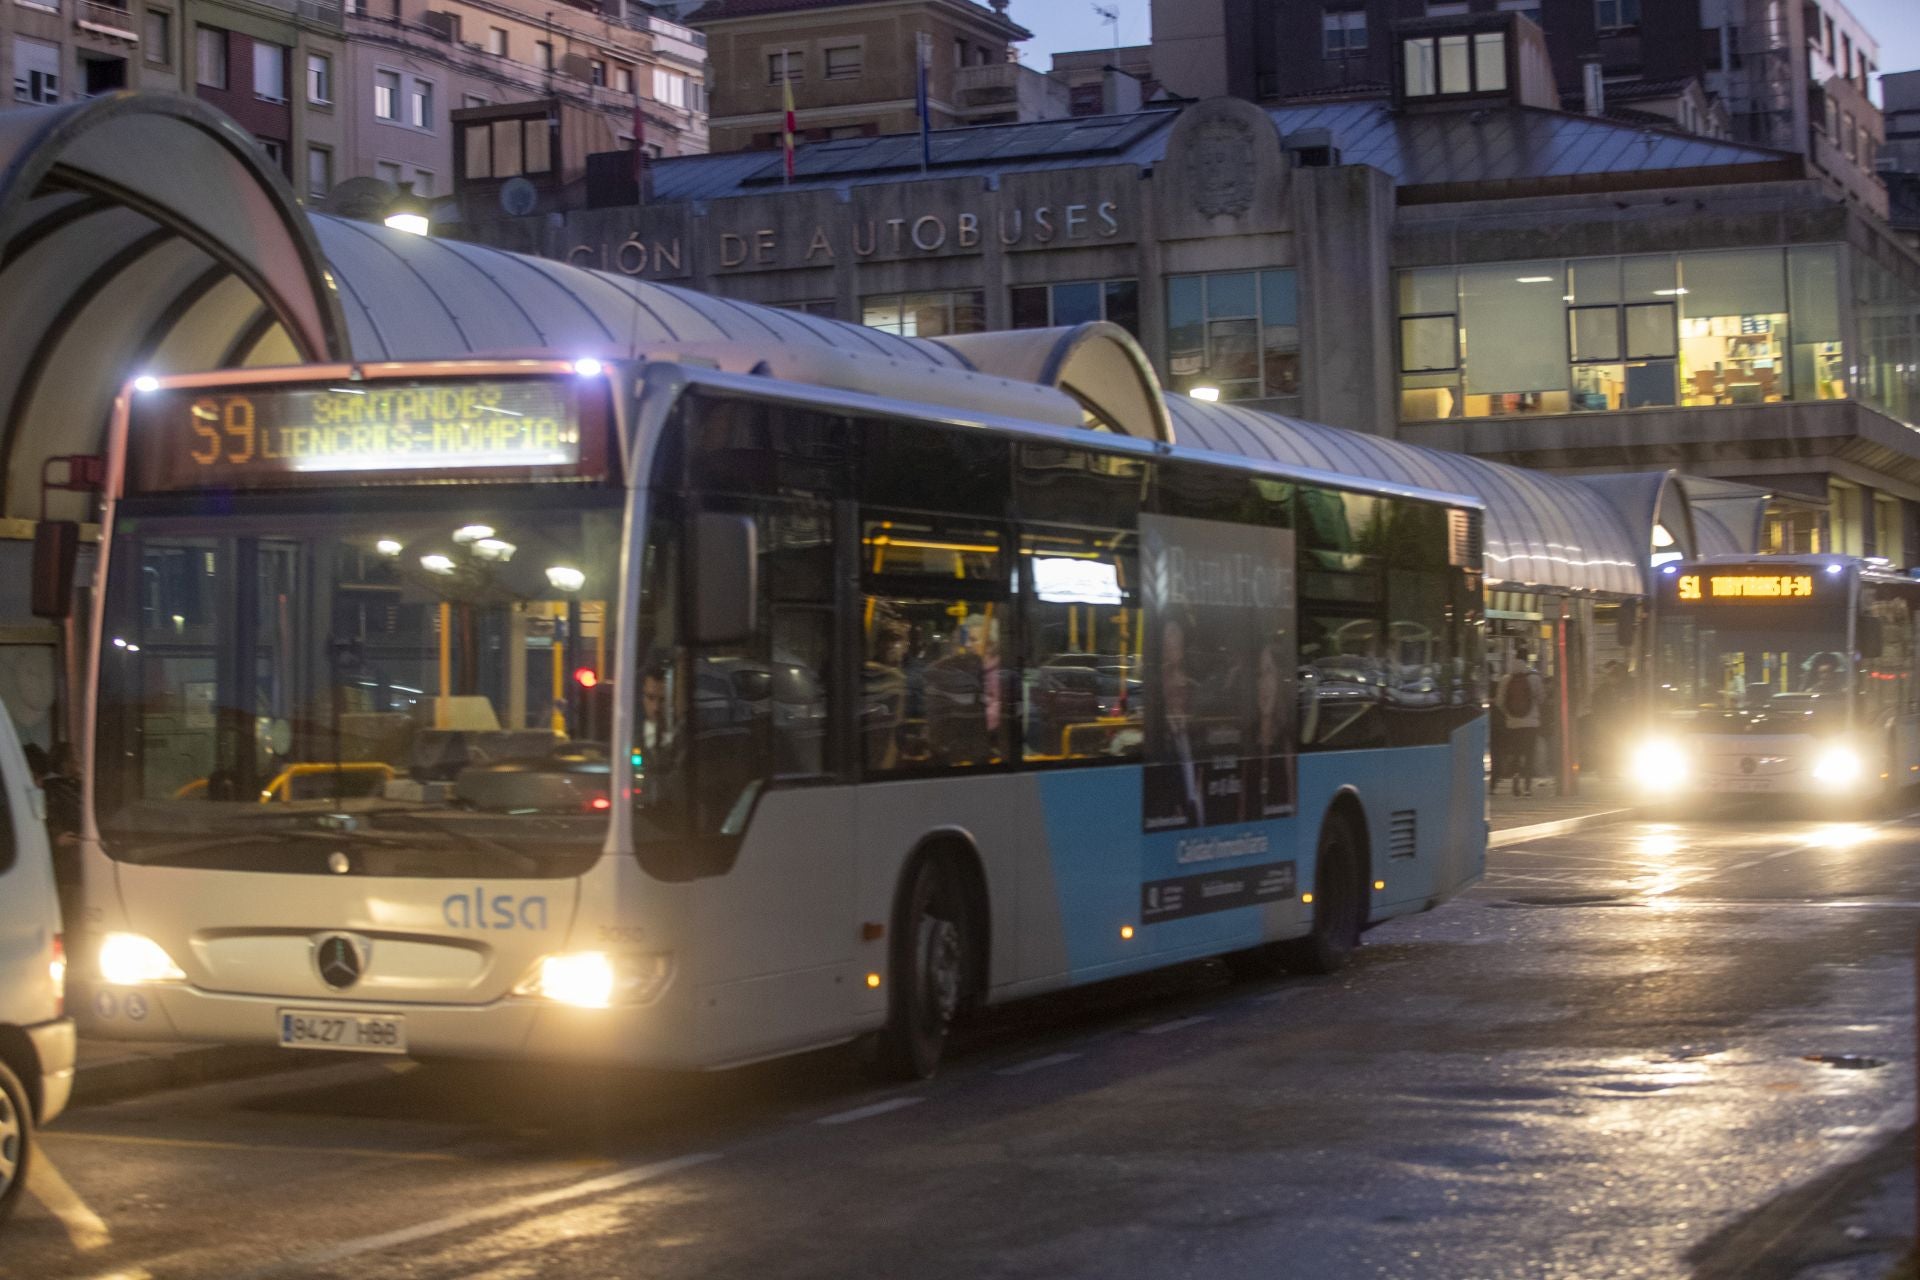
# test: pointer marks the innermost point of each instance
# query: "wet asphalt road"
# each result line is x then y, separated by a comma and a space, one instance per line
1594, 1065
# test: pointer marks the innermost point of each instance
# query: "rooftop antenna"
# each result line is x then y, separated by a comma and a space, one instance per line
1110, 14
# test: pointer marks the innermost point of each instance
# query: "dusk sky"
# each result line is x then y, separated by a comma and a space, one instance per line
1072, 24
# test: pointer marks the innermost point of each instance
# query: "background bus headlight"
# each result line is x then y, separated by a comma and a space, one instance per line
1839, 766
1660, 765
596, 980
128, 959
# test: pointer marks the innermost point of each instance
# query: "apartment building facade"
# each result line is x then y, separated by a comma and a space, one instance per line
1788, 74
852, 67
367, 89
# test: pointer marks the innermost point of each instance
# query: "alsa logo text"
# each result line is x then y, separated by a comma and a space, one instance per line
502, 911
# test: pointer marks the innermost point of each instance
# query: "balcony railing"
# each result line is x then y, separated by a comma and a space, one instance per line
108, 19
324, 13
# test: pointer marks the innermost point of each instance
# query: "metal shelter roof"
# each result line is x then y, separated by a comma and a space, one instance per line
1493, 144
1541, 530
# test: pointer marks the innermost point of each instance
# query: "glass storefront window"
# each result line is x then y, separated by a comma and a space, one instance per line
1038, 306
926, 315
1238, 331
1733, 325
1750, 326
1513, 325
1888, 362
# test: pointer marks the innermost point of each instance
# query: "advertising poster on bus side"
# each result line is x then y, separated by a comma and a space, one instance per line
1220, 673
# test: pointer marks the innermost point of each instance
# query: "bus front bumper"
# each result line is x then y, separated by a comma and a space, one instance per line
510, 1029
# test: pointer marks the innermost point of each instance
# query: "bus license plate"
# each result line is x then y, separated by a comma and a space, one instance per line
351, 1032
1746, 784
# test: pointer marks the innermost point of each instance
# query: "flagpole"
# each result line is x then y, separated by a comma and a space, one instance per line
786, 92
924, 48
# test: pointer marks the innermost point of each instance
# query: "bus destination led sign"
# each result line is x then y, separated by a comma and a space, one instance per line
1746, 586
275, 436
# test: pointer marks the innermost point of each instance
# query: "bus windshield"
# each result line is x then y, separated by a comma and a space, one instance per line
412, 683
1754, 666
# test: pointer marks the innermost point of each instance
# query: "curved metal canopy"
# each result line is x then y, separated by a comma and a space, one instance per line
135, 229
1541, 530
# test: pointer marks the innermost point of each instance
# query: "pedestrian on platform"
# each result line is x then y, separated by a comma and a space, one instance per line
1516, 708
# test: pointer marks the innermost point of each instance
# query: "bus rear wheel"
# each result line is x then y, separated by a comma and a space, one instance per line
16, 1139
1339, 906
932, 946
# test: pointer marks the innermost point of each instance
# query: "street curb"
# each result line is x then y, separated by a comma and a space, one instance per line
135, 1076
1561, 827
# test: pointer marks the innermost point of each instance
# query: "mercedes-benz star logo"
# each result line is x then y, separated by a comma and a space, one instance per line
339, 960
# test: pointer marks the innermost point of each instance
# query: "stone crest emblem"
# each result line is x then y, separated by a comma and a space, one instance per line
1222, 167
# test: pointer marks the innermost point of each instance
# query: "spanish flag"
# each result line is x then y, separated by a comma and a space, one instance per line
786, 90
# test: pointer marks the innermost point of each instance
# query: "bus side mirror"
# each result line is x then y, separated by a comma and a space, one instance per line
726, 574
56, 549
1872, 638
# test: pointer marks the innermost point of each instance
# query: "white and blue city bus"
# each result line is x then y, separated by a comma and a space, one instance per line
649, 714
1788, 675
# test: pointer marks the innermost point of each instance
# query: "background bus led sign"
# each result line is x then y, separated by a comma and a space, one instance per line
1729, 587
272, 437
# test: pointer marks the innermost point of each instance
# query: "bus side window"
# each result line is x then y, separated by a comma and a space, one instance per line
1342, 626
1082, 692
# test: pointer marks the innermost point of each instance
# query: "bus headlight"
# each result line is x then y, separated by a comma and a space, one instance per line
1660, 765
1838, 766
128, 960
596, 980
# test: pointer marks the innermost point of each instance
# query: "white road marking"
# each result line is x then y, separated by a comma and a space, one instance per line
1178, 1024
503, 1209
84, 1227
868, 1112
1038, 1064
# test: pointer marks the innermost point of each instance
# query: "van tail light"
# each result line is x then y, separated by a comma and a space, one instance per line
57, 971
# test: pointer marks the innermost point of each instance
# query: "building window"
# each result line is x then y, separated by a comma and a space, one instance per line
1644, 331
100, 75
269, 72
786, 65
1343, 33
276, 152
1531, 8
1042, 306
1440, 65
387, 171
926, 315
423, 182
159, 37
210, 52
543, 54
670, 88
386, 95
497, 41
622, 79
506, 148
844, 62
319, 172
471, 100
1615, 15
1847, 136
827, 307
1446, 8
36, 70
420, 105
319, 79
597, 72
1236, 332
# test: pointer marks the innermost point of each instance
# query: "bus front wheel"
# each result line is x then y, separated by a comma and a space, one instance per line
931, 945
1339, 905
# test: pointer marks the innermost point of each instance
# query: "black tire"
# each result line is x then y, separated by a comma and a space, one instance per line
929, 961
1339, 903
16, 1140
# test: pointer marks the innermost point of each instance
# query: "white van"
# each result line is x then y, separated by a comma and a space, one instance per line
36, 1036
